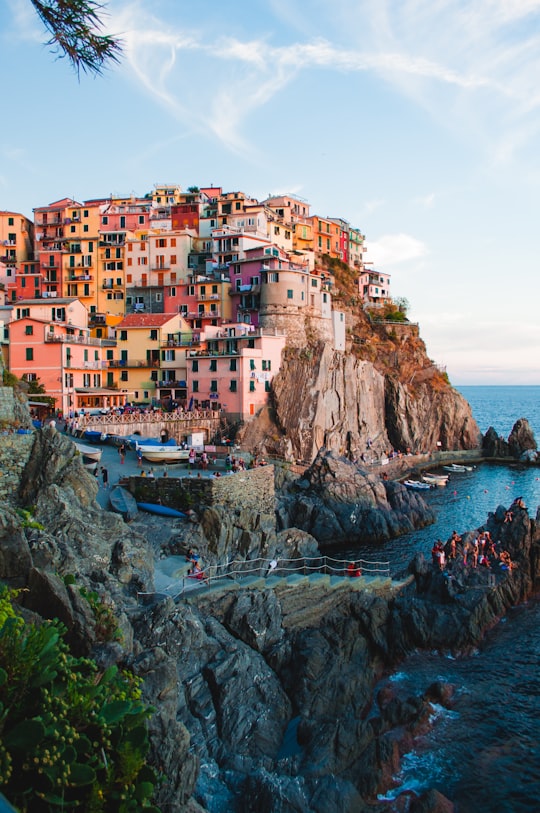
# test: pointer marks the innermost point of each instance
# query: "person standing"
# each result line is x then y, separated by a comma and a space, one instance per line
105, 477
122, 453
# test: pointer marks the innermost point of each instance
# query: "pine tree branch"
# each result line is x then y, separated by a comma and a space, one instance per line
75, 27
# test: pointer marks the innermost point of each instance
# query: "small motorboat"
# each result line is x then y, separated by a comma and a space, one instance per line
458, 468
93, 436
124, 503
163, 454
417, 484
89, 452
162, 510
435, 479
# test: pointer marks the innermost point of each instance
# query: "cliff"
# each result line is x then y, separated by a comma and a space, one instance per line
355, 406
263, 692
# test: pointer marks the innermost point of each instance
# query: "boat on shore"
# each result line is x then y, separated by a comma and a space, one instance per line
90, 452
93, 436
161, 510
163, 454
123, 503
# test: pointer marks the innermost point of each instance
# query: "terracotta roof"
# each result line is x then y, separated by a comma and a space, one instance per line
145, 320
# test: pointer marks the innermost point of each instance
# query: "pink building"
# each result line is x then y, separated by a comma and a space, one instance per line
49, 340
374, 288
235, 370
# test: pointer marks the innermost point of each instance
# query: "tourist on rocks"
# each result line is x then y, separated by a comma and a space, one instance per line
475, 552
151, 473
438, 555
508, 516
105, 477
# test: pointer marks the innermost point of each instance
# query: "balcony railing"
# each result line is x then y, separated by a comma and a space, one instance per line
78, 278
67, 339
134, 363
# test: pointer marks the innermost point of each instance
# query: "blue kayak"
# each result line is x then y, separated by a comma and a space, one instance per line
163, 510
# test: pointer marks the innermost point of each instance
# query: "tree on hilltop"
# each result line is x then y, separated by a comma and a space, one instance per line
76, 28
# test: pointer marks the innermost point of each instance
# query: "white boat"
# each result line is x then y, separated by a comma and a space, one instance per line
435, 479
458, 468
416, 484
163, 454
91, 452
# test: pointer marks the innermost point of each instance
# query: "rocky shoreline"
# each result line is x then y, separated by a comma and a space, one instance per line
263, 694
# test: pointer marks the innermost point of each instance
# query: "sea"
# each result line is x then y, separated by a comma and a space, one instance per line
484, 753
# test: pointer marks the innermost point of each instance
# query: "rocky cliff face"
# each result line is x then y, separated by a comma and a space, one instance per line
263, 695
339, 502
326, 398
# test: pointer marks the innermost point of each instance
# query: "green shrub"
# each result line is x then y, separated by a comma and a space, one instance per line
71, 737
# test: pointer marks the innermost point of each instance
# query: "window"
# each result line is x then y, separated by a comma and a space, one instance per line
195, 366
232, 365
213, 385
313, 283
85, 227
105, 220
86, 380
252, 385
213, 365
266, 365
173, 259
153, 335
252, 364
289, 293
158, 296
267, 386
141, 219
29, 330
11, 221
86, 355
123, 375
233, 386
195, 386
123, 335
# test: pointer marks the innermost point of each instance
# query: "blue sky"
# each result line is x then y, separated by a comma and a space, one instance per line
416, 120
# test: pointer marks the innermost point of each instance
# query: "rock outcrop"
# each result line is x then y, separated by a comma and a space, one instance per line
339, 502
326, 398
521, 444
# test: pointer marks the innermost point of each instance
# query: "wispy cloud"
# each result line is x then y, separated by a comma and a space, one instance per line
419, 46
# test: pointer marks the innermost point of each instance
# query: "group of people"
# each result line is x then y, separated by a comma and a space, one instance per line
481, 551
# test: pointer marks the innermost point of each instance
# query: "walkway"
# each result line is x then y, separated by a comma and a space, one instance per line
173, 579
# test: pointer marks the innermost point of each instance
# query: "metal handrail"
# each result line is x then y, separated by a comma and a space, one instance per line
238, 569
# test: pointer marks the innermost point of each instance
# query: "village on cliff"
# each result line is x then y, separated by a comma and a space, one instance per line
179, 298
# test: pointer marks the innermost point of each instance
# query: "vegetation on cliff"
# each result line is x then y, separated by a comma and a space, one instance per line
71, 736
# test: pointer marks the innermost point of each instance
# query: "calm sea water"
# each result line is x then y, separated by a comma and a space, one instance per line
484, 754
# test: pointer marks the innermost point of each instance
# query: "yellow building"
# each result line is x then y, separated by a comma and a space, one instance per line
16, 246
151, 354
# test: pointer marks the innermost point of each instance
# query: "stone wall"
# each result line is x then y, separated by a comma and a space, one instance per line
15, 452
251, 489
7, 404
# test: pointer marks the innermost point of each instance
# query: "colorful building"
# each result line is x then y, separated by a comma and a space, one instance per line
16, 248
152, 356
374, 287
50, 340
234, 372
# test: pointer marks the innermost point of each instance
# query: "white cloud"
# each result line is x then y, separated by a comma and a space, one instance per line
392, 249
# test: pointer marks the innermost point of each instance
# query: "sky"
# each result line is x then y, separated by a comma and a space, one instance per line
417, 121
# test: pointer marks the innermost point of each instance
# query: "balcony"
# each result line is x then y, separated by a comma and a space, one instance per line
61, 338
166, 383
166, 267
123, 363
78, 278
